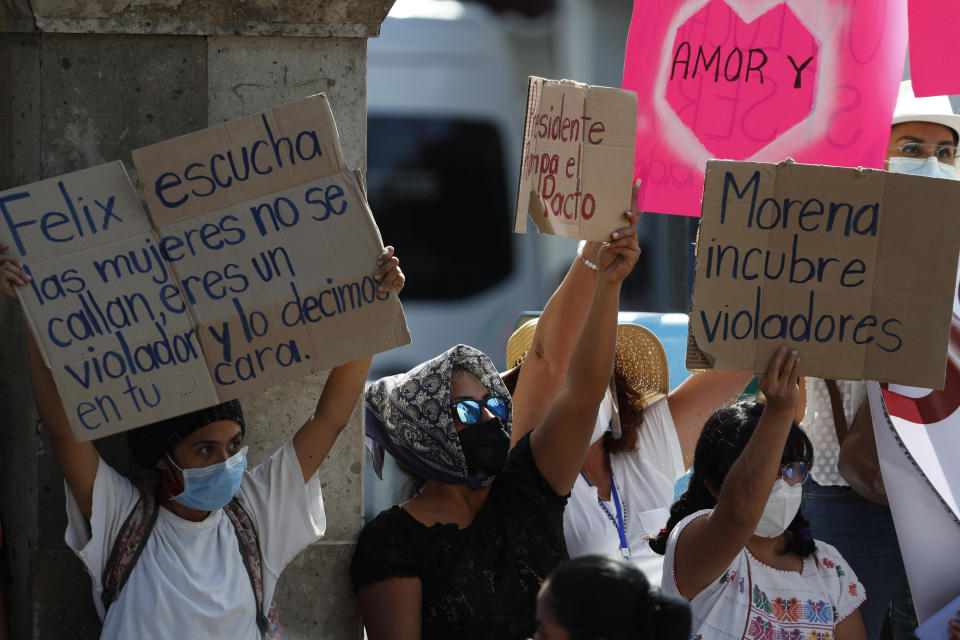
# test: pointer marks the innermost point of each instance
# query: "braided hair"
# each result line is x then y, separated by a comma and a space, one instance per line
723, 439
607, 597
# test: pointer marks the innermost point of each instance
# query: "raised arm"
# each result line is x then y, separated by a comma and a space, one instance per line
545, 365
697, 398
318, 434
707, 546
79, 461
560, 442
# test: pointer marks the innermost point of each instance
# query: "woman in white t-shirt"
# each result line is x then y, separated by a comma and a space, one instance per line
653, 433
736, 544
641, 444
190, 579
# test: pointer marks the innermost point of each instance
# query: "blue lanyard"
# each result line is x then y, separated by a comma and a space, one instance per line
618, 521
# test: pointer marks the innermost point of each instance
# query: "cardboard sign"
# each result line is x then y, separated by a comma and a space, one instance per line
853, 268
759, 80
928, 51
259, 271
576, 175
103, 305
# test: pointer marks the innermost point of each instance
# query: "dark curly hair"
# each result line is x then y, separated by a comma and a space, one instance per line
723, 439
607, 597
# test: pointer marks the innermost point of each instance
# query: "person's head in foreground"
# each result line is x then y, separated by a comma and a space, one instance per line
593, 597
721, 442
199, 457
924, 135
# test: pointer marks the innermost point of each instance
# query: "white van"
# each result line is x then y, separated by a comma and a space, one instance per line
444, 131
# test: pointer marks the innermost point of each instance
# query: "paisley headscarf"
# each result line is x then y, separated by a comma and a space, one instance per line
410, 416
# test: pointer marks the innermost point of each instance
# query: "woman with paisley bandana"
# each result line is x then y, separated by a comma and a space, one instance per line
466, 556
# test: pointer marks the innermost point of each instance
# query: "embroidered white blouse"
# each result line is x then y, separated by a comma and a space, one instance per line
753, 601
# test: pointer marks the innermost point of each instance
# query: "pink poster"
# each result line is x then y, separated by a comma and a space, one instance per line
759, 80
933, 24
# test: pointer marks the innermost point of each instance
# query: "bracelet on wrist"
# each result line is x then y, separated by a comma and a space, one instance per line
590, 265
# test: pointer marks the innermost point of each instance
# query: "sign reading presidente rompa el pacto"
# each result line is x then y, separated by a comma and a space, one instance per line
258, 270
577, 166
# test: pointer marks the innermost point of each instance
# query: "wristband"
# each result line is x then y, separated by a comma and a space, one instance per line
590, 265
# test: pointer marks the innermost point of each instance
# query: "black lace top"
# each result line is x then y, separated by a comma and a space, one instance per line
480, 581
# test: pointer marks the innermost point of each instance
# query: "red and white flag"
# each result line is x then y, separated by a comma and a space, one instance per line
918, 443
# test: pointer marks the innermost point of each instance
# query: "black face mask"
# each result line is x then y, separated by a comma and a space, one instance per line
485, 446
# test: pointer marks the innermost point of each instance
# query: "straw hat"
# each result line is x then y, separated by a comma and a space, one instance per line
642, 362
640, 358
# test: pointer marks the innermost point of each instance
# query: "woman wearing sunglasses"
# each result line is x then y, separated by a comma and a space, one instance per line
465, 557
736, 544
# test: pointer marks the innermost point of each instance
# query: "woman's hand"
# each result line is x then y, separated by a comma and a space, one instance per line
632, 215
388, 274
618, 256
11, 273
781, 384
955, 627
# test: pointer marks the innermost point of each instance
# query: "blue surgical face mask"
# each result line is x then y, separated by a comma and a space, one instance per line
210, 488
929, 167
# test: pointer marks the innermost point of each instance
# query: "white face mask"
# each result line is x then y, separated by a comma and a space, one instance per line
929, 167
782, 507
604, 415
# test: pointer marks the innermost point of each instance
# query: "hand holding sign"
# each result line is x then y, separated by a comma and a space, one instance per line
780, 385
388, 274
618, 256
11, 273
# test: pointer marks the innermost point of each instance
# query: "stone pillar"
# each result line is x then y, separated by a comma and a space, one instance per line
86, 82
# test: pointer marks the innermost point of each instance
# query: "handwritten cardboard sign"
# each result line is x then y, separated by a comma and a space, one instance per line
576, 173
259, 270
853, 268
103, 305
758, 80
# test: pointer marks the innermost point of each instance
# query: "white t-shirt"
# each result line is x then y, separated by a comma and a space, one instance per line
645, 479
190, 580
754, 601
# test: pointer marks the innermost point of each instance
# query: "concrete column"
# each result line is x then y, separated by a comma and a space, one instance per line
86, 82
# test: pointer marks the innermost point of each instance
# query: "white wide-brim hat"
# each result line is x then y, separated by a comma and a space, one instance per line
935, 109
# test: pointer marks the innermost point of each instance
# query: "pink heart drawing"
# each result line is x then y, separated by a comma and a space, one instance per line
739, 85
